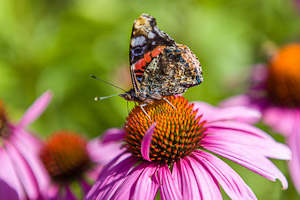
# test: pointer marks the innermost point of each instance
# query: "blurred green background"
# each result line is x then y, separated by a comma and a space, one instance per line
56, 44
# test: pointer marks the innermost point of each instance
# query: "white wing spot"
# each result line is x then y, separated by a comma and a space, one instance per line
151, 35
138, 41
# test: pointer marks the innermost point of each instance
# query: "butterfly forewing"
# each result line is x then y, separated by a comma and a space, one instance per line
159, 66
147, 41
145, 37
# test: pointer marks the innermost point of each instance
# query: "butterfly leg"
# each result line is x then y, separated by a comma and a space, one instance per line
169, 103
141, 106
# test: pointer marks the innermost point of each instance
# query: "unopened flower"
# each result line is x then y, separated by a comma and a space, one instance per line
69, 158
172, 153
276, 93
22, 175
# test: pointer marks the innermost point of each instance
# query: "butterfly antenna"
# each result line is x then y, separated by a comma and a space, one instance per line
106, 82
101, 98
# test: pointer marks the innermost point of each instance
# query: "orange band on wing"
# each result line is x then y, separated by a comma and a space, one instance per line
148, 57
157, 51
140, 64
139, 74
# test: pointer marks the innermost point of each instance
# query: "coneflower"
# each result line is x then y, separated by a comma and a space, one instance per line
70, 159
22, 175
172, 153
276, 93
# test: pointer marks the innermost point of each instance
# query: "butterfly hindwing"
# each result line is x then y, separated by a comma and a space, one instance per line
172, 72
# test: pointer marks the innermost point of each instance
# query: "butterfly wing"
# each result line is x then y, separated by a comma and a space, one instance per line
158, 65
147, 42
177, 68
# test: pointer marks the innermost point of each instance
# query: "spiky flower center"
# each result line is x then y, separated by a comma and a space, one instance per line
65, 156
283, 82
177, 133
4, 129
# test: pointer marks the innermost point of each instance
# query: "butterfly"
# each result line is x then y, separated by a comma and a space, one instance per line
159, 66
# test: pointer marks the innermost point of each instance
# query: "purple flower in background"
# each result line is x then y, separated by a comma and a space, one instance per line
70, 160
22, 175
297, 3
276, 93
174, 153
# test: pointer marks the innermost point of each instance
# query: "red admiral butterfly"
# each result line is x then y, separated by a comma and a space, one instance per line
159, 66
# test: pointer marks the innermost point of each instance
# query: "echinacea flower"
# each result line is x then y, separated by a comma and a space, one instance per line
70, 159
22, 175
172, 153
276, 93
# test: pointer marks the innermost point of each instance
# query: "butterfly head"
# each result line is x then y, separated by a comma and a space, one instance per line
130, 96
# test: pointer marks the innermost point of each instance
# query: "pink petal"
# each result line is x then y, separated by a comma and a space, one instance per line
111, 177
168, 189
208, 185
35, 110
139, 182
146, 143
10, 186
250, 158
127, 185
294, 142
240, 100
237, 113
246, 136
231, 182
52, 192
176, 175
260, 72
112, 135
189, 185
282, 120
24, 172
231, 125
147, 184
204, 109
102, 153
30, 147
266, 148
